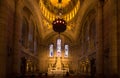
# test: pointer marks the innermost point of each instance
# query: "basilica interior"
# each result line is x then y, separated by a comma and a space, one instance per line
59, 39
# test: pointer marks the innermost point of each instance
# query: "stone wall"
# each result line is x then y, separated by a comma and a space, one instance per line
11, 48
110, 37
118, 38
6, 36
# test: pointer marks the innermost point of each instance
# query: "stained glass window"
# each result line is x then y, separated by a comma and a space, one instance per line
58, 47
66, 50
51, 50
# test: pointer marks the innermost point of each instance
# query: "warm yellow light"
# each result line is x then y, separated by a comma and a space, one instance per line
63, 4
69, 27
51, 16
58, 64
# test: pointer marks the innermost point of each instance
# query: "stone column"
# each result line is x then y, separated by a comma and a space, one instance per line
113, 40
99, 44
6, 35
3, 39
16, 37
118, 35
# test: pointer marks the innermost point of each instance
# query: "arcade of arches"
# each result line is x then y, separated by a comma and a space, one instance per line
92, 38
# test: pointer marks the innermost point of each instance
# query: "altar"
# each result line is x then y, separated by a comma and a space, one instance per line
57, 72
58, 67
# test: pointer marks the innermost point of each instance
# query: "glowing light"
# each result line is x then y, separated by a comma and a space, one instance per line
58, 47
64, 3
66, 50
51, 17
51, 50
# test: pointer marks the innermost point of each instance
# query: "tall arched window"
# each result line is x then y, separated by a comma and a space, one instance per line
24, 34
51, 50
59, 47
31, 36
66, 50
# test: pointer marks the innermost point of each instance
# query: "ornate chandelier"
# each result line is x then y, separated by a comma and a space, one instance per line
59, 25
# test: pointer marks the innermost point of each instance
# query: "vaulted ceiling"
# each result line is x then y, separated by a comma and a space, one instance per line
50, 10
73, 12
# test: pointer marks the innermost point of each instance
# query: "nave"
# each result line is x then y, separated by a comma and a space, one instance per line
81, 37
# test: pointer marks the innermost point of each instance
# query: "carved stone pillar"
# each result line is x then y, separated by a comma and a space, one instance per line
16, 36
99, 44
118, 36
6, 37
3, 39
113, 41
